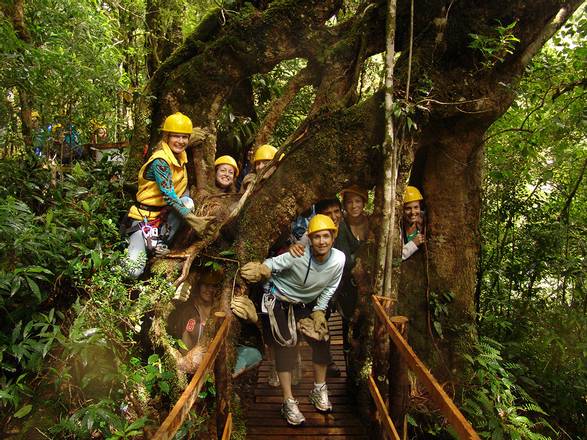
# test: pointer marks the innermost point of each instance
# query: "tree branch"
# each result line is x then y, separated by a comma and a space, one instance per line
565, 210
548, 31
279, 104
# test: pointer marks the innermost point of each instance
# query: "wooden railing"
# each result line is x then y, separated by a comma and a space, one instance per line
189, 396
444, 403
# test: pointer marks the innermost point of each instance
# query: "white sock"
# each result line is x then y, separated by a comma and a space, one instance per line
317, 386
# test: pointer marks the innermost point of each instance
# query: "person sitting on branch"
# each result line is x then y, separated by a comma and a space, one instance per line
263, 155
226, 172
412, 225
162, 198
297, 295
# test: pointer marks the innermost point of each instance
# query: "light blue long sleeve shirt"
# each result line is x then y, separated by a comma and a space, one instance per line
293, 279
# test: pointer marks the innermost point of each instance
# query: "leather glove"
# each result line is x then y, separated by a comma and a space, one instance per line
243, 307
320, 324
253, 272
199, 224
192, 360
306, 327
249, 178
182, 293
198, 135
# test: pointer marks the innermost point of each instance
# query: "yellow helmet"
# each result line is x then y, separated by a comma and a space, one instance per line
264, 152
178, 123
35, 114
412, 194
321, 222
227, 160
56, 126
356, 189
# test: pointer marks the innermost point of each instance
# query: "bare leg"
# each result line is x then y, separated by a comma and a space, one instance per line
285, 382
319, 373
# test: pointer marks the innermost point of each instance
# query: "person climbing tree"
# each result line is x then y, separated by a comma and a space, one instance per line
157, 215
226, 172
412, 225
298, 291
263, 155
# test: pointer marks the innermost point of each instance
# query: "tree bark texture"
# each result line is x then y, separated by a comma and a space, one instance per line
456, 98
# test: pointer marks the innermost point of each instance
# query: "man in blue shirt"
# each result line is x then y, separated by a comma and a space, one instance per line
297, 294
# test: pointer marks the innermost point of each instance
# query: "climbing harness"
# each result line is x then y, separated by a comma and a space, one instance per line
269, 301
150, 231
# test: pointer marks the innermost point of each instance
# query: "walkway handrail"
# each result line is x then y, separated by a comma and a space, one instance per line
460, 424
383, 414
189, 396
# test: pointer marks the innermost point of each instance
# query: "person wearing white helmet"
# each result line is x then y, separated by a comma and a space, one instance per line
297, 292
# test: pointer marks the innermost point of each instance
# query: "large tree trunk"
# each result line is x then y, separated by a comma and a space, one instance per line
457, 99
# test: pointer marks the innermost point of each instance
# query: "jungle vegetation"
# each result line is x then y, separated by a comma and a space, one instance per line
491, 126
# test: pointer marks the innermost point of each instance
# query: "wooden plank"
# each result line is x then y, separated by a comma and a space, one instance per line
462, 427
222, 383
227, 428
287, 431
307, 437
383, 416
270, 409
107, 145
312, 418
182, 407
279, 399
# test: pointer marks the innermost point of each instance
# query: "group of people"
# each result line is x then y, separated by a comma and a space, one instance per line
300, 287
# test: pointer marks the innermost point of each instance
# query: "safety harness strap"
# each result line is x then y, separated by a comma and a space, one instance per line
269, 301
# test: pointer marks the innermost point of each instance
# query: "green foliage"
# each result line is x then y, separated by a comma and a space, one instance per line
495, 404
532, 297
494, 48
153, 375
272, 85
71, 66
439, 303
98, 418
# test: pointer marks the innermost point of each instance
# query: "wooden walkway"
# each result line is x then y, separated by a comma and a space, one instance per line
264, 420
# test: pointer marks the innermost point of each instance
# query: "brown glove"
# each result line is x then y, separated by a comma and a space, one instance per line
199, 224
243, 307
182, 293
249, 178
192, 360
306, 327
254, 272
320, 324
198, 135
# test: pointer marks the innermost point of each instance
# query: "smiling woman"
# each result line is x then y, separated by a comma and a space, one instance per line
163, 197
226, 172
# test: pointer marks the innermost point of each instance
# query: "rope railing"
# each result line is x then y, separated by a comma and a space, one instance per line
182, 407
444, 403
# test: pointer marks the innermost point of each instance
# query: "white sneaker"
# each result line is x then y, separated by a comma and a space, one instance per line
292, 413
319, 398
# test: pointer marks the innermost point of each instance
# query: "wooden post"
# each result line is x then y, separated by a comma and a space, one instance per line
381, 366
399, 386
221, 378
